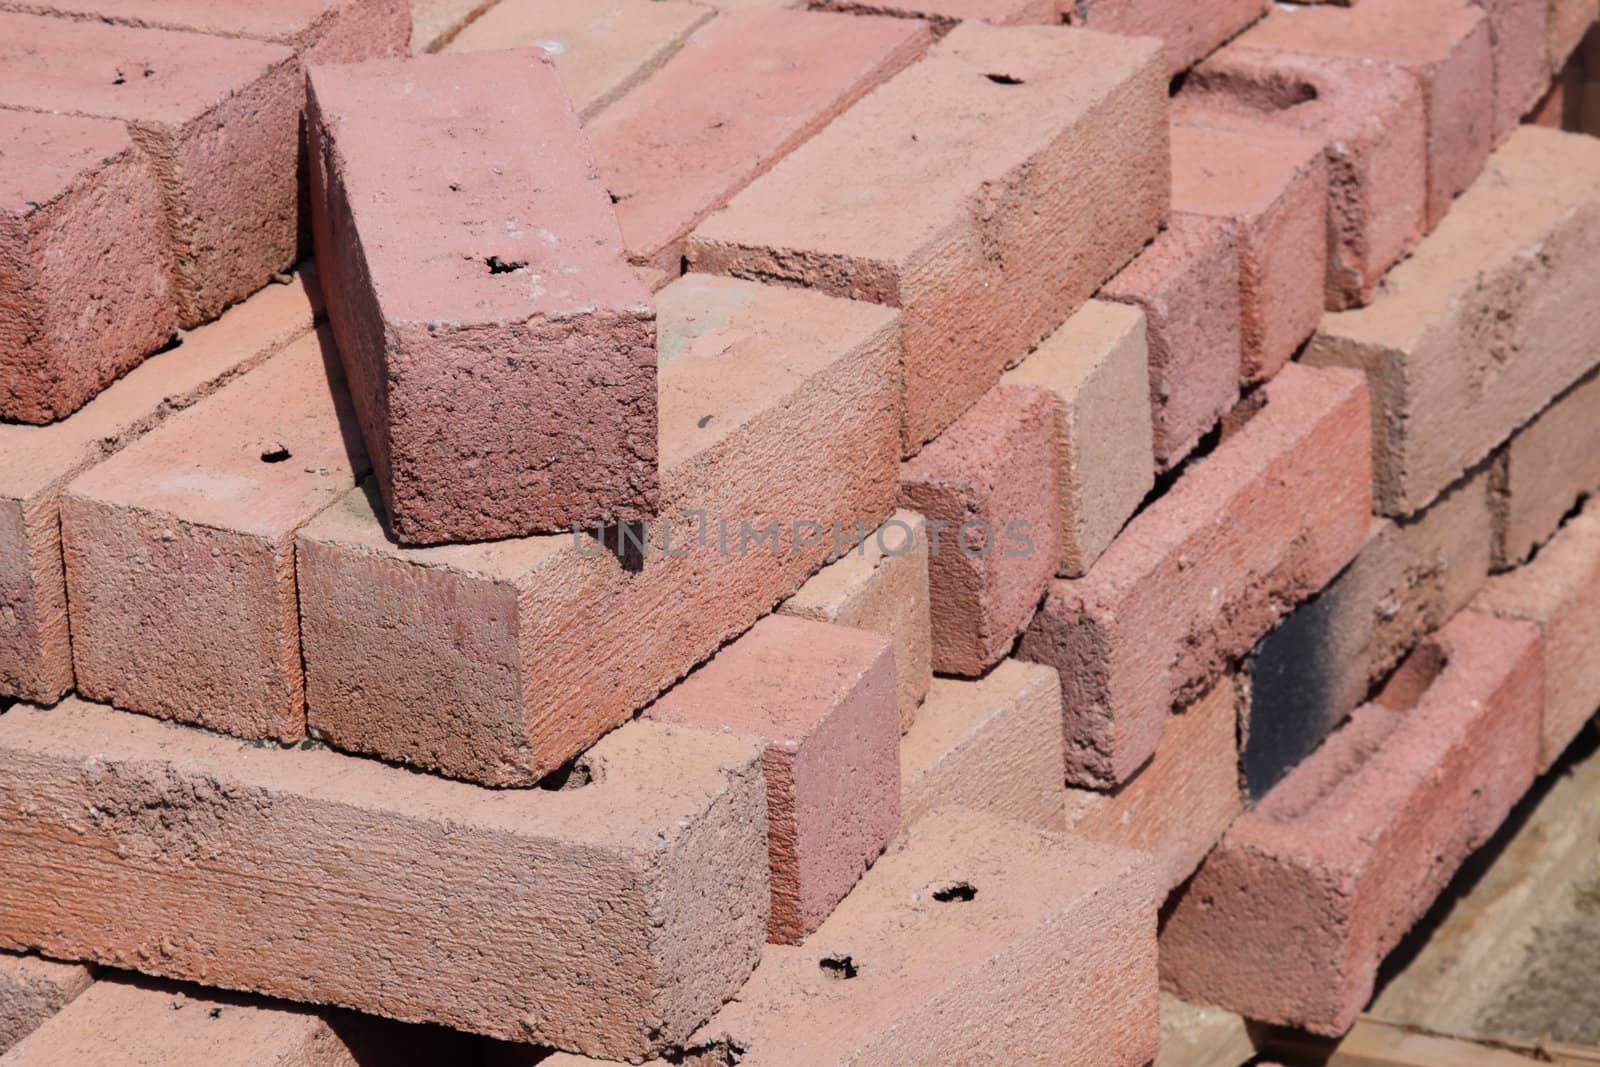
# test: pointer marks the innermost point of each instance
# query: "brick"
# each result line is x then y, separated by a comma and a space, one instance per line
819, 702
1038, 162
1200, 575
32, 990
1369, 120
1053, 950
881, 586
36, 462
1410, 578
990, 491
1546, 468
1187, 284
1569, 20
992, 744
1096, 369
1182, 801
1560, 591
638, 900
1272, 190
435, 23
1287, 920
601, 49
85, 262
944, 15
180, 549
1519, 32
1444, 44
219, 123
453, 201
1195, 1035
1485, 325
777, 405
1190, 31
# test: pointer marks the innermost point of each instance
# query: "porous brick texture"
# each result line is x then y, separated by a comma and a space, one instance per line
32, 990
1288, 919
1188, 30
500, 351
1544, 470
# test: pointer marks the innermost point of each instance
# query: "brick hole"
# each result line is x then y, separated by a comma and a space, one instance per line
955, 892
275, 455
574, 774
505, 266
840, 967
1405, 687
455, 187
1280, 92
1004, 79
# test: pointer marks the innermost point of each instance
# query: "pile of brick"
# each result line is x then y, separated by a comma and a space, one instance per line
883, 532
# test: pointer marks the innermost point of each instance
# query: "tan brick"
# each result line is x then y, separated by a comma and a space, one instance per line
1569, 21
434, 23
32, 990
1544, 469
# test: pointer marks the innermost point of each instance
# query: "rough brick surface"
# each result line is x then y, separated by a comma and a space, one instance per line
1569, 20
1544, 469
180, 549
1203, 572
1187, 283
989, 489
32, 990
943, 15
1409, 579
85, 262
218, 119
1288, 919
37, 461
992, 744
511, 388
1369, 120
1096, 368
882, 585
1487, 323
498, 662
1560, 591
638, 900
602, 49
992, 187
1520, 34
1189, 30
1272, 190
1444, 44
434, 23
1180, 803
819, 701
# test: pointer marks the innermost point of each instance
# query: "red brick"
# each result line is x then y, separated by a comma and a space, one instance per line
944, 15
1370, 122
1202, 573
992, 744
882, 586
32, 990
993, 187
1272, 190
218, 119
512, 387
1187, 283
602, 48
1544, 470
1190, 29
1444, 44
1569, 20
85, 262
777, 405
608, 918
1096, 369
1560, 591
1287, 921
819, 702
990, 491
1486, 324
180, 549
37, 461
1519, 32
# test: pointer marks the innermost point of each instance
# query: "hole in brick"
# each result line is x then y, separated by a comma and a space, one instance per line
957, 892
1004, 79
455, 187
120, 79
1405, 687
275, 455
840, 967
504, 266
1278, 92
574, 774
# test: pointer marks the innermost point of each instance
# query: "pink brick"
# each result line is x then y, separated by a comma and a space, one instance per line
1569, 20
1370, 122
1288, 920
610, 917
36, 462
525, 651
217, 118
85, 262
1486, 324
1190, 29
943, 15
819, 702
1096, 370
993, 187
1560, 591
1444, 44
602, 48
1546, 468
1272, 190
180, 549
512, 387
1203, 572
32, 990
435, 23
1520, 34
990, 491
1187, 283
